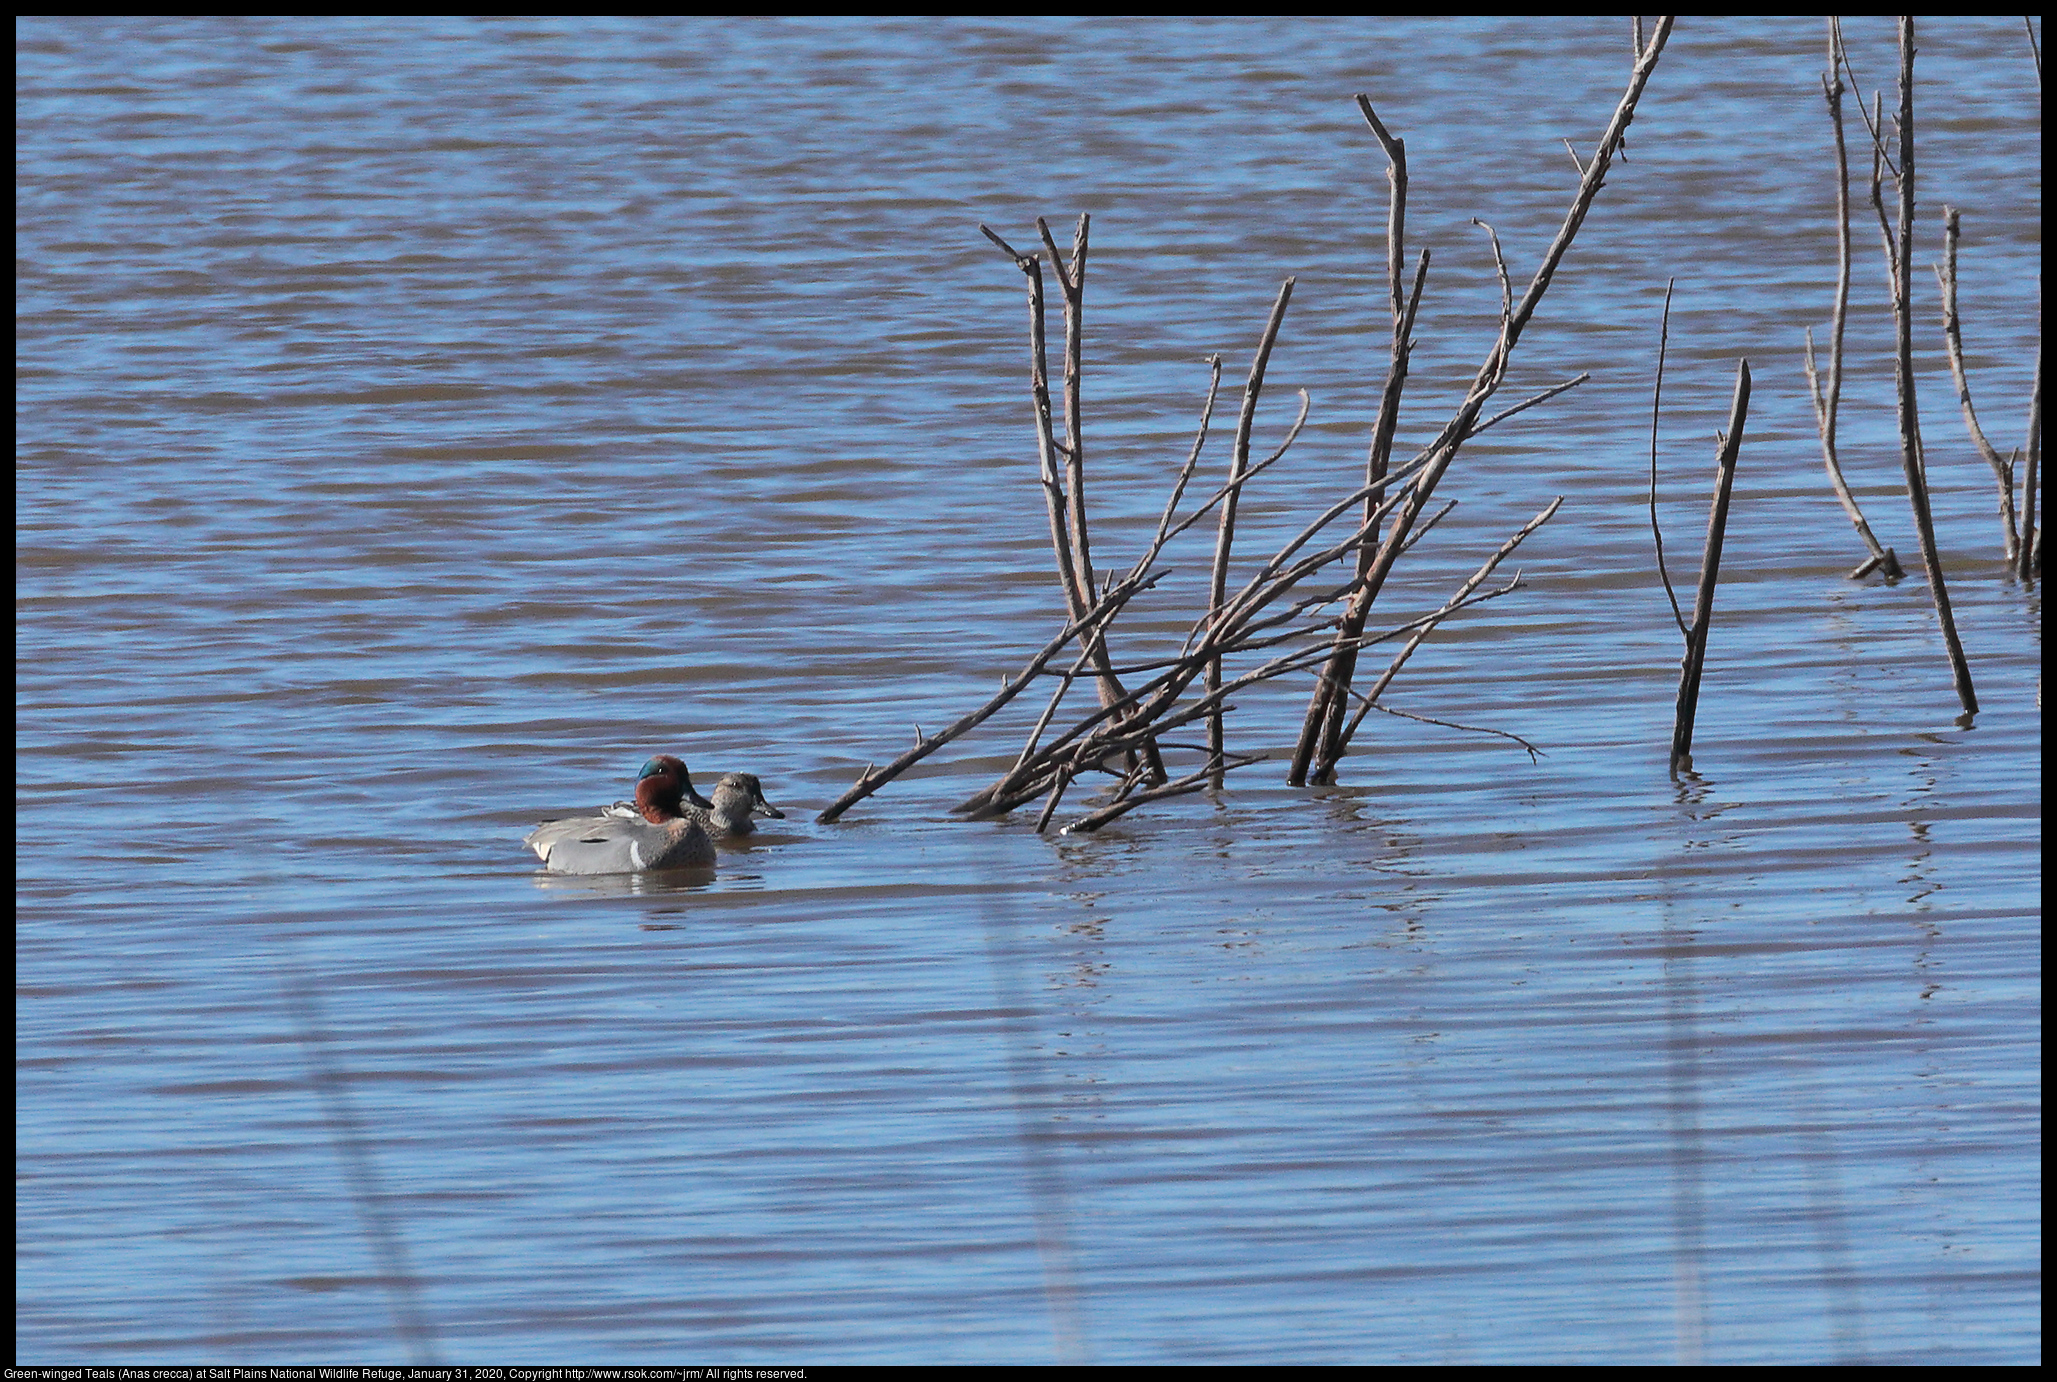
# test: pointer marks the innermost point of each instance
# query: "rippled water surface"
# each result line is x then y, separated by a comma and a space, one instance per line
420, 423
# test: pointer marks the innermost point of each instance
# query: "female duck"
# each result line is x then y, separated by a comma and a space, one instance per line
737, 797
656, 833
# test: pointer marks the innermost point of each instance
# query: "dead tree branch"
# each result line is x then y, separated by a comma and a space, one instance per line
1825, 402
1899, 260
1491, 374
1428, 626
1101, 611
1953, 338
1710, 569
1239, 462
1656, 404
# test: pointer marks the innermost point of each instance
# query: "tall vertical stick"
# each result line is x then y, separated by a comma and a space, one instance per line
1073, 284
1903, 377
1710, 568
1046, 443
1226, 533
2029, 560
1882, 558
1068, 536
1330, 703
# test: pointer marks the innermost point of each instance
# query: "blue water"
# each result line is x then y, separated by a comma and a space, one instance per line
421, 422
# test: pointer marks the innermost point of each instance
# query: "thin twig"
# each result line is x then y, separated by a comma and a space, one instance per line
1531, 401
1192, 459
1500, 263
1226, 534
1103, 609
1192, 782
1428, 526
1428, 626
1231, 488
1056, 698
1874, 120
1656, 403
1533, 752
1953, 338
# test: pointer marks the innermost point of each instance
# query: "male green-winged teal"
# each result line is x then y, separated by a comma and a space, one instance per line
655, 833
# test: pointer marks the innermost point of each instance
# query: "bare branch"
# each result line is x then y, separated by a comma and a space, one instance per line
2003, 469
1710, 569
1490, 374
1226, 533
1656, 402
1527, 403
1102, 610
1426, 528
1192, 782
1193, 459
1500, 263
1907, 410
1533, 752
1428, 625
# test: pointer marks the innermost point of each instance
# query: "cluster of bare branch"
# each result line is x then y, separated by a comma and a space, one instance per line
1897, 235
2020, 539
1307, 606
1324, 735
1892, 157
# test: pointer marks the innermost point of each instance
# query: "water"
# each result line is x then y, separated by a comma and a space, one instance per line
421, 422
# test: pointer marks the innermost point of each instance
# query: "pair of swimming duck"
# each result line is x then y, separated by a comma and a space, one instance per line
668, 826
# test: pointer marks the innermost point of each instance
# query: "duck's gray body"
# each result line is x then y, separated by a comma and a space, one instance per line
620, 844
655, 833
